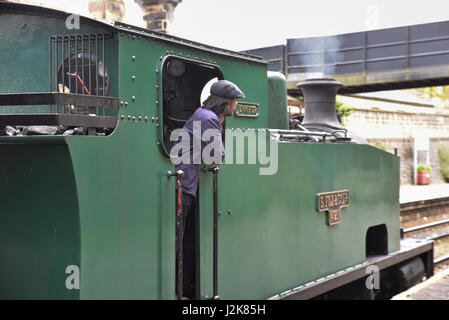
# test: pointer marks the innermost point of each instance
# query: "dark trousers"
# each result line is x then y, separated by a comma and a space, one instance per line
189, 248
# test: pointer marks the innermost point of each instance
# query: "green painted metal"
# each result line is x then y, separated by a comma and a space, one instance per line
106, 204
274, 243
149, 59
277, 101
39, 221
128, 231
126, 215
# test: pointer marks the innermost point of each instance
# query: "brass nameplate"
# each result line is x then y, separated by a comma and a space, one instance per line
247, 109
332, 203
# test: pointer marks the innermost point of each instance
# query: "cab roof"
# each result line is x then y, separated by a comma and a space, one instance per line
10, 7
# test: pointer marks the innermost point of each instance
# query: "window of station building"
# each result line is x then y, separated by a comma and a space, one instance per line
184, 85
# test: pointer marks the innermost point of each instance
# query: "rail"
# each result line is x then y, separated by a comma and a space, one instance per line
441, 259
440, 232
425, 226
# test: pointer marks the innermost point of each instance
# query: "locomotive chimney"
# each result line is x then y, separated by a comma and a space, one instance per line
319, 99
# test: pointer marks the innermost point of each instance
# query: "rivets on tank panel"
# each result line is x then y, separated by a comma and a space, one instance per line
229, 211
146, 119
126, 104
134, 118
140, 118
122, 117
129, 117
133, 78
152, 119
133, 58
133, 98
121, 103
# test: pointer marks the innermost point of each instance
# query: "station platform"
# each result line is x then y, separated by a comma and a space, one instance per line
412, 193
435, 288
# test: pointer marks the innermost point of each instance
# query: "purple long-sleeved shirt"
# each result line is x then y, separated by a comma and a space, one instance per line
208, 120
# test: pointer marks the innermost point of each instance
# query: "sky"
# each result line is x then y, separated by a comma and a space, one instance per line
248, 24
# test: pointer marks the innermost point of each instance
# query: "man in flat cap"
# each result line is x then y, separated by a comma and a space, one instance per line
222, 102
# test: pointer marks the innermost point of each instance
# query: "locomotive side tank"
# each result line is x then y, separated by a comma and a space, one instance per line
99, 206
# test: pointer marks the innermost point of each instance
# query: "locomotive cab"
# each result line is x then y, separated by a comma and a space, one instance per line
184, 84
183, 81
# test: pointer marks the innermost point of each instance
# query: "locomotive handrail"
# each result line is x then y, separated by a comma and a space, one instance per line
179, 233
299, 132
306, 132
214, 171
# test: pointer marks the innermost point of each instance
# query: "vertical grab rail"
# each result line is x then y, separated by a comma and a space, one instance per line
214, 171
179, 233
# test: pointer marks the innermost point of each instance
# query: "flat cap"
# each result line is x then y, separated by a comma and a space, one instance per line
226, 89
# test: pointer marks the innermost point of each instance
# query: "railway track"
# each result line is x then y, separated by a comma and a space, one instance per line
429, 220
443, 238
442, 259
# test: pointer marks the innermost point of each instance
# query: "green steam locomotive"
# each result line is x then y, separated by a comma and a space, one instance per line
88, 205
